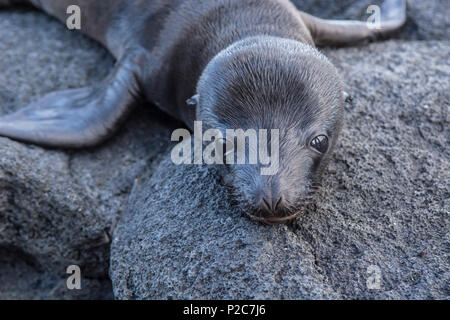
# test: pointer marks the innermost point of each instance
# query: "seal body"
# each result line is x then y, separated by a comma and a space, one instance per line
180, 37
247, 64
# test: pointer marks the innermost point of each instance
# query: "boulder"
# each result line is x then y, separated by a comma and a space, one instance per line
57, 207
427, 20
379, 226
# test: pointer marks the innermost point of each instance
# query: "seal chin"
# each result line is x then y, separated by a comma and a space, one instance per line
271, 220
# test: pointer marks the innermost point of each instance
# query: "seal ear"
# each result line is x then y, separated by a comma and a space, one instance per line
194, 100
347, 96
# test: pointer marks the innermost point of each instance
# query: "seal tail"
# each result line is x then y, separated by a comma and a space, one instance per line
344, 32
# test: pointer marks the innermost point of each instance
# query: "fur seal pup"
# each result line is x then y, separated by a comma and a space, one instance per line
245, 63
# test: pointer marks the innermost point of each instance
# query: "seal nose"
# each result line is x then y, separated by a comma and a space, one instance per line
271, 206
273, 210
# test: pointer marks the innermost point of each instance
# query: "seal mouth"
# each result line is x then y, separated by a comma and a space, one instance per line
275, 220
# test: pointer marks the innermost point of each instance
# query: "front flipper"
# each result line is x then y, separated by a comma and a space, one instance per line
79, 117
345, 32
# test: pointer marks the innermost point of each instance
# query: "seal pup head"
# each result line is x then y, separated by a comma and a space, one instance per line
272, 83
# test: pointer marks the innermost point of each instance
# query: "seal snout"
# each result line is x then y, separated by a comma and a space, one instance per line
273, 210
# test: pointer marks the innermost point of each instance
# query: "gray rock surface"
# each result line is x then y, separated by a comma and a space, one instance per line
57, 207
384, 202
182, 239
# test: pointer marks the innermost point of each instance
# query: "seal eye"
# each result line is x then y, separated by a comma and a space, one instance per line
320, 143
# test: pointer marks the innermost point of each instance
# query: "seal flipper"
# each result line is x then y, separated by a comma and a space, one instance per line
79, 117
344, 32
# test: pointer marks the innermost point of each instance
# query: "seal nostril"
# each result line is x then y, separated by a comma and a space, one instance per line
279, 203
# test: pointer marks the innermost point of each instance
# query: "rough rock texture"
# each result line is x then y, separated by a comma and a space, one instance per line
384, 202
182, 239
57, 207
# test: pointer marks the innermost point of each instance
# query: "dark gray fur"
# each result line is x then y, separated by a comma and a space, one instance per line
252, 64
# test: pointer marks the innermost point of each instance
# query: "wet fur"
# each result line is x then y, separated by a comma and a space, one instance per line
252, 63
